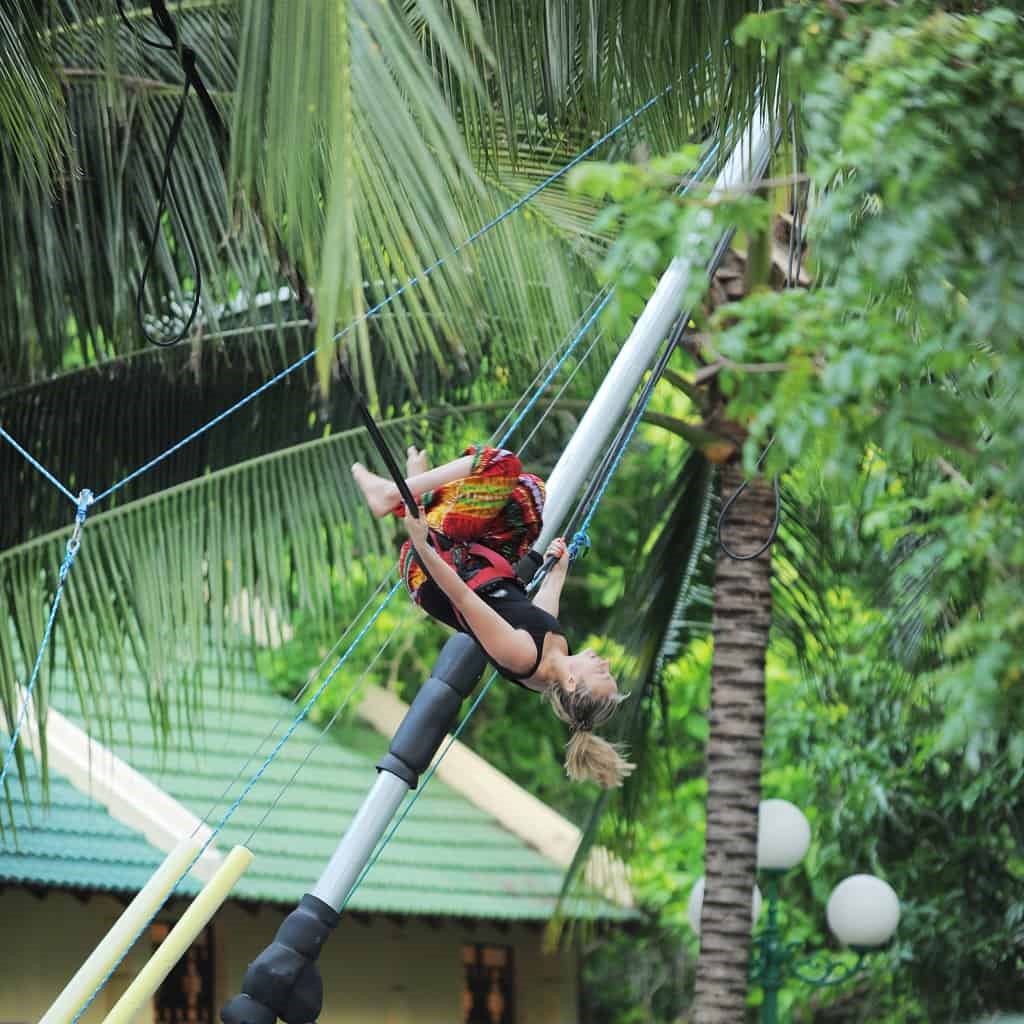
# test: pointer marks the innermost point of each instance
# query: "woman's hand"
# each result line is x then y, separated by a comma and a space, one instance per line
418, 531
559, 550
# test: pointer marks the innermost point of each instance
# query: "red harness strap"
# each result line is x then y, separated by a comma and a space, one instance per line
496, 566
454, 553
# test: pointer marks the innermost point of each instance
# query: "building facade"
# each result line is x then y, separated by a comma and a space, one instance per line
448, 926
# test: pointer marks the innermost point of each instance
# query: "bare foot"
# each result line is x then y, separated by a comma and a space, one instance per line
380, 494
416, 462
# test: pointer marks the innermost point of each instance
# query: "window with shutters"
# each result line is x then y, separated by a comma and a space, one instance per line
186, 997
488, 996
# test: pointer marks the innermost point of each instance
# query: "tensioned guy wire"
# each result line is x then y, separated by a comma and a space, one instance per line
273, 753
579, 545
598, 338
582, 322
298, 696
70, 551
268, 760
411, 802
37, 466
236, 803
429, 774
342, 706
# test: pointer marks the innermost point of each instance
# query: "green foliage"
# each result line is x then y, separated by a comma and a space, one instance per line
891, 389
859, 745
909, 349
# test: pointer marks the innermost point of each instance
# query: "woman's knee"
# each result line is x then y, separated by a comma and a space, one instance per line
494, 462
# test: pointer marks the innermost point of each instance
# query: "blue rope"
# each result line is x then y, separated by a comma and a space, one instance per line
579, 545
236, 803
554, 370
36, 464
416, 795
411, 283
271, 756
578, 548
609, 294
83, 502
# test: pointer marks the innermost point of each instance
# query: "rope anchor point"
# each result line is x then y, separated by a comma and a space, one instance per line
83, 502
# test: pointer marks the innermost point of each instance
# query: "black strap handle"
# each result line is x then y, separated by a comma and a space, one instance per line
380, 443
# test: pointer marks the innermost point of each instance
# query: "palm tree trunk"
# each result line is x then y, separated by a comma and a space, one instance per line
742, 618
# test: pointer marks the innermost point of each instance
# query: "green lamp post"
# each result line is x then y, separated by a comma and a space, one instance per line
862, 912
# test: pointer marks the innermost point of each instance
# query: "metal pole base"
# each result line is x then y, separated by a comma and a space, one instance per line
284, 981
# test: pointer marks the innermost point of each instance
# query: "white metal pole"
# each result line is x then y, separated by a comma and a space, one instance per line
306, 928
746, 163
361, 837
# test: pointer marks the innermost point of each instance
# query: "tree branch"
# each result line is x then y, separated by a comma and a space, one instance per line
953, 473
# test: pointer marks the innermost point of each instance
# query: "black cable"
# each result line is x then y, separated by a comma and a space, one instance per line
380, 443
155, 43
735, 556
794, 257
193, 80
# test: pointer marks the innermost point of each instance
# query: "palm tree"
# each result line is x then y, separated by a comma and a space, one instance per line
364, 141
697, 578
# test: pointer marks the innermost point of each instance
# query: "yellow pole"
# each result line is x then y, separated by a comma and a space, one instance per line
181, 936
122, 934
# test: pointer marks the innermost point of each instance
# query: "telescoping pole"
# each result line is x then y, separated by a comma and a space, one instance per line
284, 981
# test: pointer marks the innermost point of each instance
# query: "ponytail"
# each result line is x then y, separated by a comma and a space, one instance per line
589, 757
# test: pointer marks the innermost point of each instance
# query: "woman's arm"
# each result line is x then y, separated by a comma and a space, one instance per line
513, 649
550, 591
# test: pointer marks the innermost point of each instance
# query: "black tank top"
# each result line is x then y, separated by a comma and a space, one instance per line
511, 603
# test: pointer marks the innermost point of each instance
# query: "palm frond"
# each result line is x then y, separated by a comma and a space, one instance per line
92, 426
661, 610
31, 107
161, 581
75, 258
805, 557
403, 186
577, 67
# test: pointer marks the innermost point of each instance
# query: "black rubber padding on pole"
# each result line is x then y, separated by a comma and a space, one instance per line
284, 981
434, 710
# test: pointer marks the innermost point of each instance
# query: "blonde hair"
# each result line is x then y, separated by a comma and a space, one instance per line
589, 757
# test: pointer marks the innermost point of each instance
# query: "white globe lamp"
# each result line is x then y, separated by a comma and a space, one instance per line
696, 904
863, 911
783, 835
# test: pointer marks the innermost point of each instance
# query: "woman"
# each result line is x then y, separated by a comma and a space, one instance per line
483, 503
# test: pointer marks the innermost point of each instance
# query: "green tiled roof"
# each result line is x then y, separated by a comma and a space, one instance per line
448, 858
71, 841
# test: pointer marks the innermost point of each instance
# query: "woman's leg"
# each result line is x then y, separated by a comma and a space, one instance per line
471, 508
382, 494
